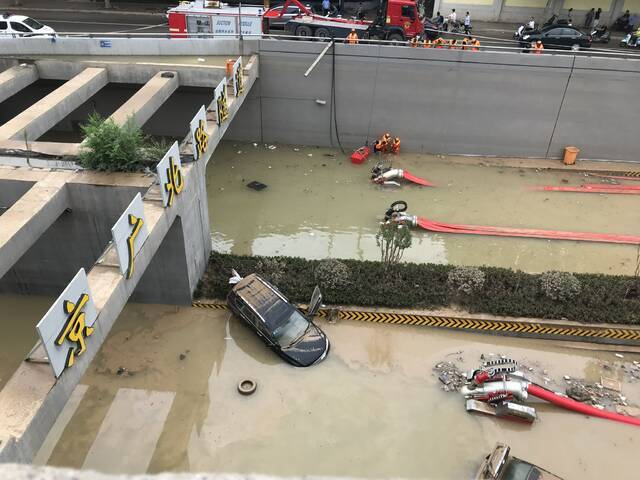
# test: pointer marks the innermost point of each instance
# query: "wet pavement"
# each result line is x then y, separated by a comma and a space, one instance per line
155, 399
317, 205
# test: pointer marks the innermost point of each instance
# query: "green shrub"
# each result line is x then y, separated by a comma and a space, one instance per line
505, 292
468, 280
561, 286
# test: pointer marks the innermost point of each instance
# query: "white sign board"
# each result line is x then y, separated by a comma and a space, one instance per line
170, 175
65, 327
129, 234
236, 79
219, 104
227, 25
199, 135
252, 26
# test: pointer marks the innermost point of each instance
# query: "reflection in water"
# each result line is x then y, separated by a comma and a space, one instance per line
161, 395
317, 204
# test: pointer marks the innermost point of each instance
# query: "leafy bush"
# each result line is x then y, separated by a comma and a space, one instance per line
560, 286
332, 274
272, 269
467, 280
505, 292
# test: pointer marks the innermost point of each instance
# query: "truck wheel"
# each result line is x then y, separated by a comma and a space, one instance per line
396, 37
304, 31
323, 33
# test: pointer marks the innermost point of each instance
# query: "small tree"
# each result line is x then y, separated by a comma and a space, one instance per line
110, 147
393, 240
560, 286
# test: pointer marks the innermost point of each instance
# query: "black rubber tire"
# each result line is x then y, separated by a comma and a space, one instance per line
304, 31
247, 386
398, 206
396, 37
323, 32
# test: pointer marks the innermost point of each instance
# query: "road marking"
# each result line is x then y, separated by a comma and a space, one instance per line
72, 22
623, 336
141, 28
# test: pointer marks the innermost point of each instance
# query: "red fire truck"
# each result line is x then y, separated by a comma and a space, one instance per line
202, 18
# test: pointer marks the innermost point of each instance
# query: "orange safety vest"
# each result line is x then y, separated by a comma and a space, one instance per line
352, 38
464, 44
453, 45
439, 43
395, 148
426, 43
414, 42
537, 49
475, 45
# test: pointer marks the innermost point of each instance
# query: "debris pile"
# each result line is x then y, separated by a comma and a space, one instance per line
450, 375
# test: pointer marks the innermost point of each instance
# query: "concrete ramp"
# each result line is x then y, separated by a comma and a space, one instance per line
15, 79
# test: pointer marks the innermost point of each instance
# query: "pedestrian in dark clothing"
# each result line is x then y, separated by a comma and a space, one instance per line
588, 19
596, 17
360, 12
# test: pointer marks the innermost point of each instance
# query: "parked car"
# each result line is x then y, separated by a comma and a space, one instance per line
284, 328
278, 22
557, 37
499, 465
21, 26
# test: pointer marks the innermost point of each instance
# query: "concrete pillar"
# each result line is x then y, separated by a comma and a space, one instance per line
28, 218
148, 99
43, 115
15, 79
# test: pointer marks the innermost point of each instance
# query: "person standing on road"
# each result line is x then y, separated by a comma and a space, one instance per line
596, 17
452, 19
570, 17
531, 25
326, 7
588, 19
467, 23
538, 47
352, 38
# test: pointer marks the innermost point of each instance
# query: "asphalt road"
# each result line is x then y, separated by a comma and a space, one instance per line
101, 22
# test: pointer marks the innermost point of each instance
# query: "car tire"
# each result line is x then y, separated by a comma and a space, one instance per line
304, 31
396, 37
323, 33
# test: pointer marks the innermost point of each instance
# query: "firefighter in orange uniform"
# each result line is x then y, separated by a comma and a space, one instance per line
395, 146
426, 43
538, 47
352, 38
475, 45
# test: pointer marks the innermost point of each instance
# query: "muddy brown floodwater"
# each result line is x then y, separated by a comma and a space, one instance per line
317, 205
20, 315
161, 395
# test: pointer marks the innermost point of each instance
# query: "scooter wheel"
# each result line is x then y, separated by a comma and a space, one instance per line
398, 206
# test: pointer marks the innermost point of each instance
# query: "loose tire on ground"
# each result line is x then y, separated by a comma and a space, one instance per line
247, 386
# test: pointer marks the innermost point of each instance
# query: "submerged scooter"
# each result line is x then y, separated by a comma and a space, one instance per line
383, 174
600, 34
631, 40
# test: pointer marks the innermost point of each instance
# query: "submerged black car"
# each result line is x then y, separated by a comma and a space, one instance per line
557, 37
284, 328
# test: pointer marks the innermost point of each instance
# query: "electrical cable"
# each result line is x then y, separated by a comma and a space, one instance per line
334, 110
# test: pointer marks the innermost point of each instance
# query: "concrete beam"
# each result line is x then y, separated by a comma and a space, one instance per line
44, 114
29, 217
148, 99
15, 79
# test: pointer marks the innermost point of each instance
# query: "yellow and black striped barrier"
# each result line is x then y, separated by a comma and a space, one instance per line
551, 331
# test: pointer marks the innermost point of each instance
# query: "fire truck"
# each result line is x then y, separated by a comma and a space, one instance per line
203, 18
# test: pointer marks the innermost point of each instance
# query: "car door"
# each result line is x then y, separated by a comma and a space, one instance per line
553, 38
255, 322
20, 28
572, 37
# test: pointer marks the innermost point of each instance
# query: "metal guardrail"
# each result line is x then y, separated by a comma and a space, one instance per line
491, 44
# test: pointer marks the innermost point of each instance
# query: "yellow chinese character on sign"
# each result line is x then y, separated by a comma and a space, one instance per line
221, 104
202, 139
176, 182
136, 222
239, 80
74, 329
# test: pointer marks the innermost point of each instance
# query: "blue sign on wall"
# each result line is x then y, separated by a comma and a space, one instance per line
105, 43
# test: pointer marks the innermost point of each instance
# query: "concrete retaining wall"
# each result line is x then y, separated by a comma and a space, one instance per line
125, 46
439, 101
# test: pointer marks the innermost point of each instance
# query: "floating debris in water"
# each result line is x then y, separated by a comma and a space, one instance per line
257, 186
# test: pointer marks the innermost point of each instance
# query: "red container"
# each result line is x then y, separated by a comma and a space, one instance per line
360, 155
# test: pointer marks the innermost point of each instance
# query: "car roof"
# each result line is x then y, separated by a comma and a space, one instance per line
551, 27
15, 18
263, 298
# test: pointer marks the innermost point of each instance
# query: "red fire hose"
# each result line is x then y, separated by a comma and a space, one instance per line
420, 181
568, 403
594, 188
433, 226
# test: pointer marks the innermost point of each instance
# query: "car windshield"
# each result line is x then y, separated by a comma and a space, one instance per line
290, 329
518, 470
32, 23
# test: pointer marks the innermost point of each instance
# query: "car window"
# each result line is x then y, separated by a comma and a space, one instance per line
18, 27
569, 32
555, 32
517, 469
293, 9
407, 11
3, 25
33, 23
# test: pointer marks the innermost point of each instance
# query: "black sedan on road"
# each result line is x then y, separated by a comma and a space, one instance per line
284, 328
557, 37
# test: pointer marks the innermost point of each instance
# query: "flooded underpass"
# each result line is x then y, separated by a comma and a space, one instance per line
161, 395
19, 318
317, 205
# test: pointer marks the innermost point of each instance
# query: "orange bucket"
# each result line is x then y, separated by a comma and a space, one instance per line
230, 62
570, 155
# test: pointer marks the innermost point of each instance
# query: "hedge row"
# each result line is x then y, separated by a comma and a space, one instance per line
602, 298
